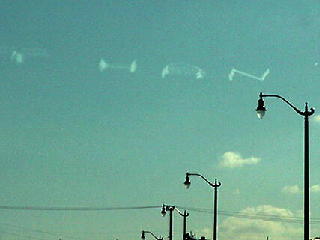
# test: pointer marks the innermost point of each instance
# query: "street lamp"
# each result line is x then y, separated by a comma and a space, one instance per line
166, 208
306, 113
143, 237
215, 185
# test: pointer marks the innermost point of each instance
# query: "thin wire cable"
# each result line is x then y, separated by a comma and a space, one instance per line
266, 217
35, 208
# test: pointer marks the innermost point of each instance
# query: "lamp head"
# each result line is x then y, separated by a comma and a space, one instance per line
187, 181
163, 210
143, 235
261, 110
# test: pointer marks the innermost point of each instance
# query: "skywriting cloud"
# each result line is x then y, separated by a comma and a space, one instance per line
233, 160
17, 57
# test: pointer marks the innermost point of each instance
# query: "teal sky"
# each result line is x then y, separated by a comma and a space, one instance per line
74, 136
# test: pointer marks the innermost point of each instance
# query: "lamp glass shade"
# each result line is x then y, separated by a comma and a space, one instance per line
260, 113
163, 211
261, 110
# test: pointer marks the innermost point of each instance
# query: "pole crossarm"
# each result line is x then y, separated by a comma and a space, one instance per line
305, 113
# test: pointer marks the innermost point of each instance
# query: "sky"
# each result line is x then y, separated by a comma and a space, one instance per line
107, 104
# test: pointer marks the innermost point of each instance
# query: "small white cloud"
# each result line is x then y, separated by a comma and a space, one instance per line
291, 189
316, 118
294, 189
315, 188
237, 191
233, 159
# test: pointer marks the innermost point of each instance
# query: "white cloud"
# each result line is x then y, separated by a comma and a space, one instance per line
294, 189
316, 118
233, 159
291, 189
259, 222
315, 188
237, 191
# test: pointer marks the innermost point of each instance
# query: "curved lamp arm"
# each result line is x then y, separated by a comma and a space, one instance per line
143, 235
183, 214
215, 184
173, 208
306, 113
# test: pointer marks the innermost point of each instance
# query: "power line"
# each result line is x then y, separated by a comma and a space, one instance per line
35, 208
266, 217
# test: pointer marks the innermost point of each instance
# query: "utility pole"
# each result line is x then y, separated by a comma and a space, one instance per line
166, 208
215, 207
214, 185
185, 215
171, 209
306, 113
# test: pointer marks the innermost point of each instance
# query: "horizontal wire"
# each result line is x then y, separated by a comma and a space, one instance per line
35, 208
265, 217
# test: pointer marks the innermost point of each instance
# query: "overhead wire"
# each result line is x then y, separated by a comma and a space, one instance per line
235, 214
266, 217
35, 208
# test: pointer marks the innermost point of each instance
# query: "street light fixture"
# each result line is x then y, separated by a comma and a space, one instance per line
166, 208
143, 236
214, 185
187, 182
306, 113
163, 210
261, 110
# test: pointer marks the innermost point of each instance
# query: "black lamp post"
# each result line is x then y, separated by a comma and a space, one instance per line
166, 208
215, 185
143, 235
306, 113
